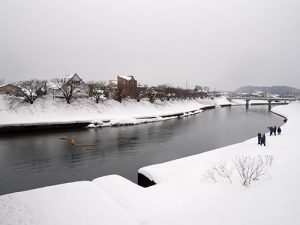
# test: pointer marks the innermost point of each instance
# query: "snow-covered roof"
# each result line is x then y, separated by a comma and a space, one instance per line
73, 76
65, 80
127, 77
4, 85
70, 76
52, 85
204, 91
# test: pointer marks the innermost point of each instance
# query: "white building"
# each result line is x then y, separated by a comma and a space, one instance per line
54, 87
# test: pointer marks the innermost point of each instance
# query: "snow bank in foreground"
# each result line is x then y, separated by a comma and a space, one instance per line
85, 110
73, 203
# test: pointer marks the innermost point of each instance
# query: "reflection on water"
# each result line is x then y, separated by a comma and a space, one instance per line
39, 159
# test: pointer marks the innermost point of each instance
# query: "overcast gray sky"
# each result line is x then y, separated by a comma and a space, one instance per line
223, 44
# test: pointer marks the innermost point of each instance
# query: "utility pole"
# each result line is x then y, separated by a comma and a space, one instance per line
186, 82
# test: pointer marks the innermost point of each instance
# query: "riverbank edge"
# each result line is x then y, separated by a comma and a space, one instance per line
20, 128
145, 181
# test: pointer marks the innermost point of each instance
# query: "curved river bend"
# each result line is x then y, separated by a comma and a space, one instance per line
39, 159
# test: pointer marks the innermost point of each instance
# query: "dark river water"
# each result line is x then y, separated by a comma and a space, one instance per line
35, 160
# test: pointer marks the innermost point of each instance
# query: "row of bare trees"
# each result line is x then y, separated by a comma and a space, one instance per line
166, 92
30, 90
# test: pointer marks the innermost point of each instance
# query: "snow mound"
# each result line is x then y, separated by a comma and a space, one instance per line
71, 203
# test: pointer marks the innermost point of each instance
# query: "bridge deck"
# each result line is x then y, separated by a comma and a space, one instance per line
264, 99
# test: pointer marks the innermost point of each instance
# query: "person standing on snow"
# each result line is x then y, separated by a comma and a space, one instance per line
279, 130
263, 140
271, 130
259, 138
275, 129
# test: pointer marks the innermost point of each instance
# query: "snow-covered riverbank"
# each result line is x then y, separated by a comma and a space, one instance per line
181, 195
107, 113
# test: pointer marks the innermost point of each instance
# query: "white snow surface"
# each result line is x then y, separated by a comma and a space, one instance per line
72, 203
49, 111
181, 195
223, 101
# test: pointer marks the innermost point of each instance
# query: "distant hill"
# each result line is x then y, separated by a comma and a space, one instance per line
280, 90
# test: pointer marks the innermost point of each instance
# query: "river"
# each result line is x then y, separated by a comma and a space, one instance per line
35, 160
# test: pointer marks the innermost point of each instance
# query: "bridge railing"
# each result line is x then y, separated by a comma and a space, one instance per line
264, 99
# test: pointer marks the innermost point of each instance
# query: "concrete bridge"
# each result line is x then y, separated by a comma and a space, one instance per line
268, 99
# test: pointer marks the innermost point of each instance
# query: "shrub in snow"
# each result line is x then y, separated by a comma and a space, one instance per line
221, 170
210, 176
269, 160
247, 168
250, 168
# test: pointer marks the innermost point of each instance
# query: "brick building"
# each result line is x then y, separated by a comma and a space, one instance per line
128, 85
9, 89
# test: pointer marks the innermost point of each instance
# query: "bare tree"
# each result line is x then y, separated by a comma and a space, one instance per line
161, 93
162, 96
177, 92
70, 89
139, 97
119, 94
167, 90
97, 90
250, 168
151, 94
27, 92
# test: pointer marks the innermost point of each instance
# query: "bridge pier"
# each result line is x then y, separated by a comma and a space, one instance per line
269, 105
247, 103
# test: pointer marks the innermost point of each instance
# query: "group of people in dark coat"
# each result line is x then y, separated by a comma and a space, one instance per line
273, 130
262, 138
